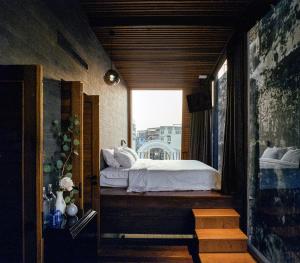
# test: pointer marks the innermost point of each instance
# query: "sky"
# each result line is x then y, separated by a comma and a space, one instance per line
154, 108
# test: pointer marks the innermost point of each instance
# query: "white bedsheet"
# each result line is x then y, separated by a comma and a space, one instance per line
116, 182
172, 175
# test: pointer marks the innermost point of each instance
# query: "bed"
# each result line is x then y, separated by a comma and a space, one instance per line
143, 196
148, 175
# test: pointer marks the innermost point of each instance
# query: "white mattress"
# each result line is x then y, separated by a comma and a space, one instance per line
172, 175
116, 182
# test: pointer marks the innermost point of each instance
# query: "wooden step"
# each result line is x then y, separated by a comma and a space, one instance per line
226, 258
130, 253
216, 218
221, 240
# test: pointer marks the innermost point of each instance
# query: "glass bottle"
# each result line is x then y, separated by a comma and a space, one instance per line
46, 208
52, 199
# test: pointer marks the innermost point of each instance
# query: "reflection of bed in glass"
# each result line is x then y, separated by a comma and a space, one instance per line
279, 168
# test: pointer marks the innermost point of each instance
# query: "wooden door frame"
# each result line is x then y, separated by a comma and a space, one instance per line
31, 77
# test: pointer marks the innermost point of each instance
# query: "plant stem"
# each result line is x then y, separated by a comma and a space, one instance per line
69, 156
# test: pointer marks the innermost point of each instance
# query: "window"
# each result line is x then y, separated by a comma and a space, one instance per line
157, 116
169, 139
219, 87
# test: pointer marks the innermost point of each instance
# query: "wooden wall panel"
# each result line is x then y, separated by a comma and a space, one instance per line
91, 145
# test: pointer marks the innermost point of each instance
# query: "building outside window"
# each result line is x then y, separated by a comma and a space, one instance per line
155, 136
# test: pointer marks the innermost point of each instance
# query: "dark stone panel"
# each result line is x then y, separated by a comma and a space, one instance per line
274, 114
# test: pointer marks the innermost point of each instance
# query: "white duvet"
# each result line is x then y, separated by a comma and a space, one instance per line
171, 175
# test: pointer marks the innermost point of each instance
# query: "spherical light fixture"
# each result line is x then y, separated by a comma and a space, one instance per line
111, 77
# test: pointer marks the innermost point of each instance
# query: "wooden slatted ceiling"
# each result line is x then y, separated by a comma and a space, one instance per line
164, 44
161, 56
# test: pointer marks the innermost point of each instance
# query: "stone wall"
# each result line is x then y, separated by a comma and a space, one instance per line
28, 35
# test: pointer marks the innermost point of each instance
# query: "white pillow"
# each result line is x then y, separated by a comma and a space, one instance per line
108, 155
132, 152
292, 156
124, 158
274, 152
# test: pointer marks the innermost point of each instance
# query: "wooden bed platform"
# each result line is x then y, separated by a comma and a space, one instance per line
154, 212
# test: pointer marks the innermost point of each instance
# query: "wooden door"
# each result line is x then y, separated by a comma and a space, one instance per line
91, 152
72, 104
21, 148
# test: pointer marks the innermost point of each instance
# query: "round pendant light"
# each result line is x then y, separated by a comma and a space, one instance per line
111, 77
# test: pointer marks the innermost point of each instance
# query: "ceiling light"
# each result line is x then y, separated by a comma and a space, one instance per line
111, 77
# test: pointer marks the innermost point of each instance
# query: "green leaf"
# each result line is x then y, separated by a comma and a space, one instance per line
67, 199
55, 122
59, 164
68, 175
47, 168
71, 194
66, 147
75, 191
76, 142
69, 167
72, 200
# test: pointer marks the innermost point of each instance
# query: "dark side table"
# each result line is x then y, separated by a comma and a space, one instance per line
75, 241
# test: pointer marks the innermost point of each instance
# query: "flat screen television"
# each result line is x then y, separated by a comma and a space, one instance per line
199, 101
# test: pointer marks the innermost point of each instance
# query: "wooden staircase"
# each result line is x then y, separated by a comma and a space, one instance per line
219, 236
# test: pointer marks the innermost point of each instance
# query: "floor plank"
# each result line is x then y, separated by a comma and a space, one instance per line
145, 254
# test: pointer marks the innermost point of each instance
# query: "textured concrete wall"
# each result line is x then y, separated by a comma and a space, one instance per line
28, 35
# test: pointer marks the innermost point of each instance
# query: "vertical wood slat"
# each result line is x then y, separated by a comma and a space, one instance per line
39, 161
72, 104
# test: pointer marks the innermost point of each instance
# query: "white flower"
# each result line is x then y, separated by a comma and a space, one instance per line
66, 184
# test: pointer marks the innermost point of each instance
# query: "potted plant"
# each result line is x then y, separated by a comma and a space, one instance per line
60, 163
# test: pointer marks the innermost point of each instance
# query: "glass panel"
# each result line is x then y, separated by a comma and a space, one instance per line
274, 134
219, 115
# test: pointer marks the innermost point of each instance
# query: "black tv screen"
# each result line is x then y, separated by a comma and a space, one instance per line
199, 101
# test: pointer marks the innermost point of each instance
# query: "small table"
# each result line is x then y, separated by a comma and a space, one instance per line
75, 241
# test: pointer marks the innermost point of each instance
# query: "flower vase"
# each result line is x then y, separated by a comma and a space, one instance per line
60, 202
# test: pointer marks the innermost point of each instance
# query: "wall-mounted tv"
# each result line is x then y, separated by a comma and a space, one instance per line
199, 101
